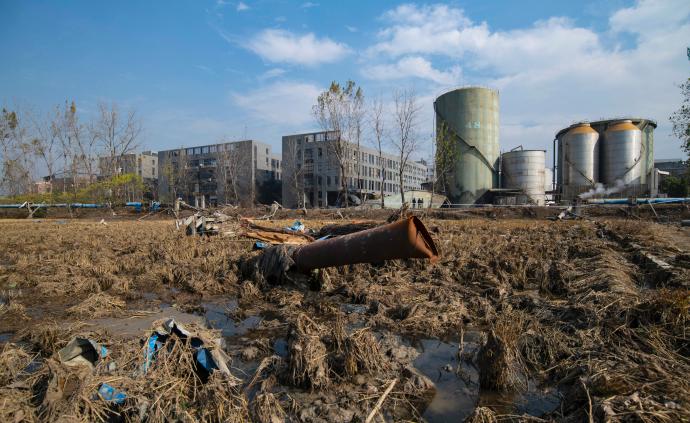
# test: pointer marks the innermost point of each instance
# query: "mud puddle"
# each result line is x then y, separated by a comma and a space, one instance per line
457, 383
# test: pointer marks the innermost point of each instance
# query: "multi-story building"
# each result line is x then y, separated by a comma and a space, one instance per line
675, 167
312, 174
231, 172
143, 164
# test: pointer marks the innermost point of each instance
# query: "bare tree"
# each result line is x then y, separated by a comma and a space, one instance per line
15, 165
229, 172
378, 128
117, 133
174, 173
404, 137
333, 112
60, 127
293, 167
45, 145
355, 111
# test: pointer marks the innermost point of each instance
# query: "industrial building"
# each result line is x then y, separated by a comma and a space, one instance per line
312, 175
605, 158
674, 167
523, 177
238, 172
469, 119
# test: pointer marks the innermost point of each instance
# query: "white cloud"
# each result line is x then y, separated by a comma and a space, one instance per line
413, 67
351, 28
552, 72
271, 73
308, 5
242, 6
287, 102
204, 68
275, 45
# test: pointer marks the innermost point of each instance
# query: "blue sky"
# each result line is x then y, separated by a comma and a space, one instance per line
201, 71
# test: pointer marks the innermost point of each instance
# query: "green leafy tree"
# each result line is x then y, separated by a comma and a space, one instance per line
675, 187
446, 155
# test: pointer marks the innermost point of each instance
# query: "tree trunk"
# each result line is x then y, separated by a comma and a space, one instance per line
343, 182
402, 187
383, 182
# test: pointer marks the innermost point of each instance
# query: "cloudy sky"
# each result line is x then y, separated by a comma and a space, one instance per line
201, 71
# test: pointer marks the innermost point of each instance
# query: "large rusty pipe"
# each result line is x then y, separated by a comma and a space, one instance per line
407, 238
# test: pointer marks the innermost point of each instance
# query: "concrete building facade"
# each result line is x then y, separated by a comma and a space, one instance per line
238, 172
144, 164
312, 172
675, 167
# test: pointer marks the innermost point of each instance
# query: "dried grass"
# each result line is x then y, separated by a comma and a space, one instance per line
500, 363
13, 361
307, 364
267, 409
96, 306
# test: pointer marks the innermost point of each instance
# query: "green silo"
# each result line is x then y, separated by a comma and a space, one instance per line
469, 118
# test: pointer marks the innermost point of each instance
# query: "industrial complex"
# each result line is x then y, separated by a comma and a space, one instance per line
592, 160
601, 159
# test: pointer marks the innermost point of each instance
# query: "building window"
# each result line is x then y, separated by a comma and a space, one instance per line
190, 151
197, 150
267, 151
328, 180
204, 150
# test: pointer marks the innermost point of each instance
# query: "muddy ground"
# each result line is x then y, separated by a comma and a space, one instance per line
521, 318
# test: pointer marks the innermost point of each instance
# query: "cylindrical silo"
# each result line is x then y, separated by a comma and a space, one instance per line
468, 119
548, 179
621, 155
580, 160
524, 169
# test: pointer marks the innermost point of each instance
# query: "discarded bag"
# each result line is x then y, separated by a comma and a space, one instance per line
82, 351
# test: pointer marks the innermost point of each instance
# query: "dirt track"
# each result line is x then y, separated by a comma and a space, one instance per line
557, 320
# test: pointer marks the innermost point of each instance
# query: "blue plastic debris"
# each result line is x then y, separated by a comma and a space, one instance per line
207, 359
298, 226
110, 394
152, 345
324, 237
258, 245
136, 204
155, 206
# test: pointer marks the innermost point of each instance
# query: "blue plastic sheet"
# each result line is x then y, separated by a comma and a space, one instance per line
298, 226
258, 245
110, 394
